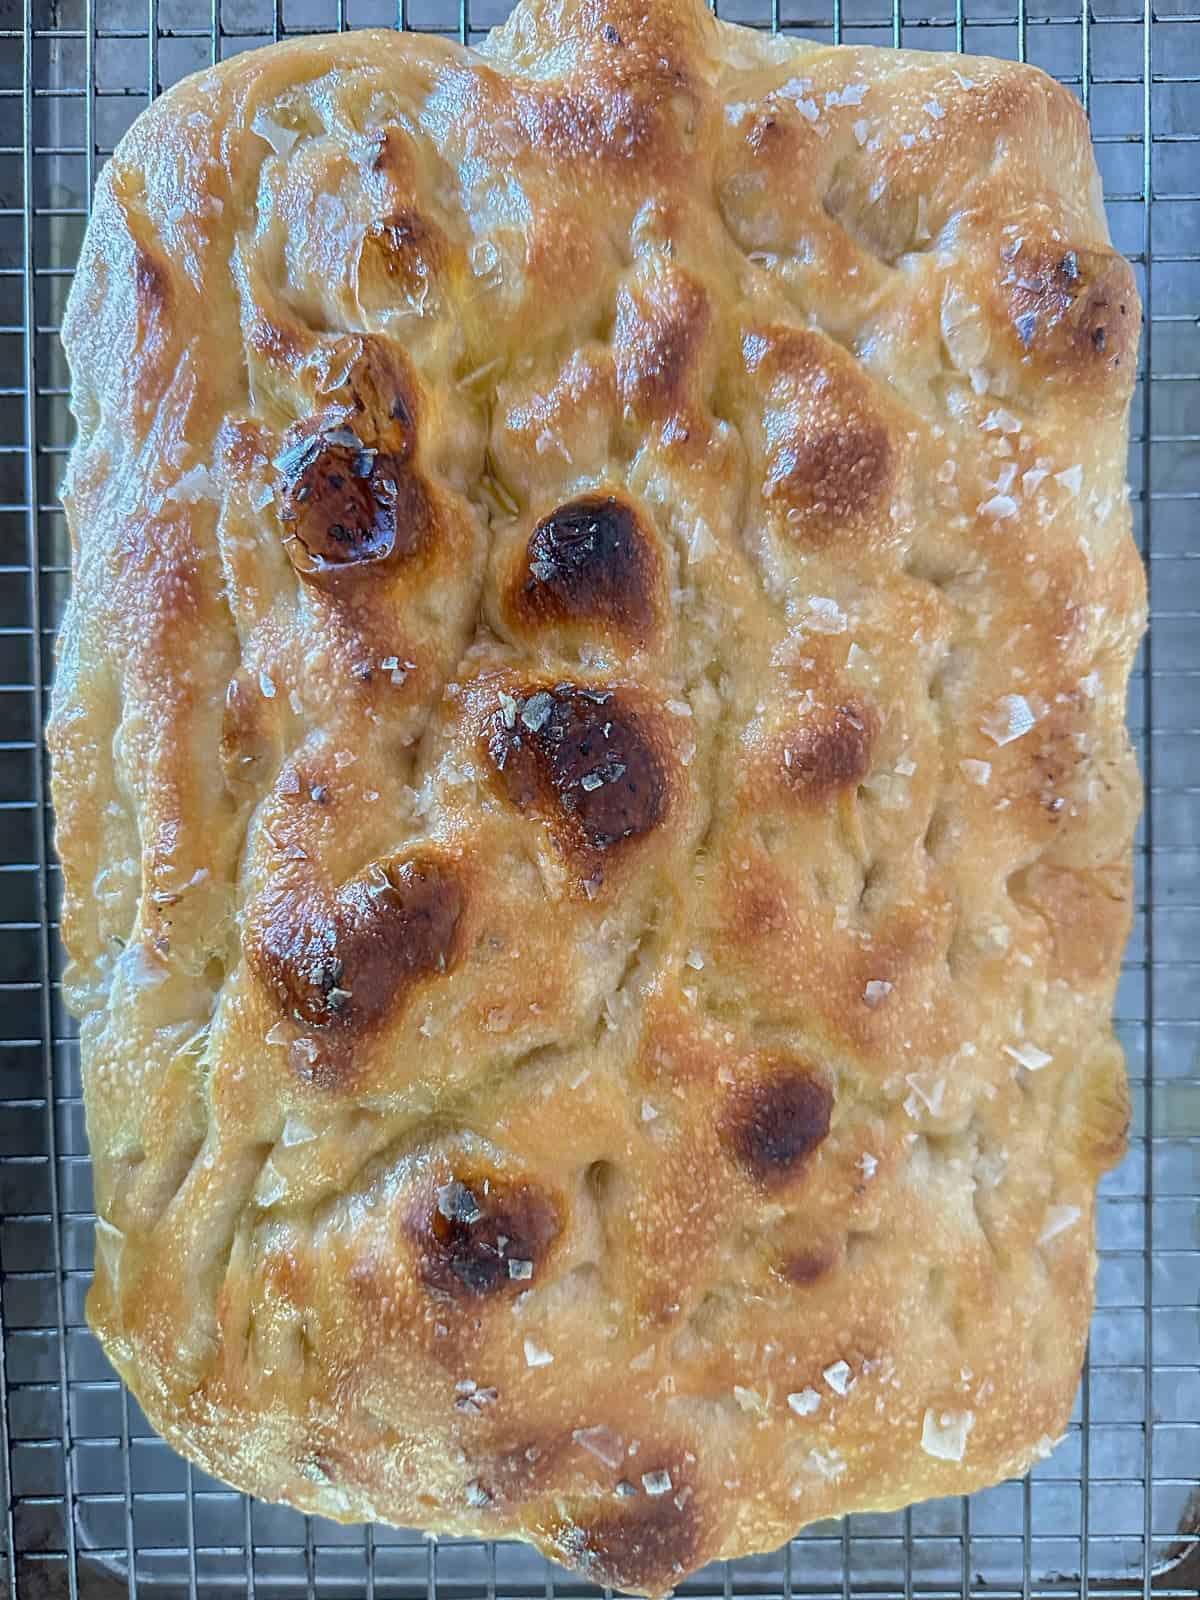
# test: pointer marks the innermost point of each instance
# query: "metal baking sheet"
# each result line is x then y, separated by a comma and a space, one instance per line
91, 1502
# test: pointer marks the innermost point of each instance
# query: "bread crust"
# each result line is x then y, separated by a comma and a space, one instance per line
589, 760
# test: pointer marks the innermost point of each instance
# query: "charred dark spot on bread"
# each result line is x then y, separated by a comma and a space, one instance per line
480, 1233
643, 1541
775, 1119
585, 756
829, 752
345, 961
591, 561
1073, 312
344, 503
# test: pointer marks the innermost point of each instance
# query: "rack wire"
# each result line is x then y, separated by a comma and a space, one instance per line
91, 1503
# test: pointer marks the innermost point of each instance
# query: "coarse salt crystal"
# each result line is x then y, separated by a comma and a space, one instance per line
536, 710
838, 1377
535, 1356
485, 259
825, 615
999, 507
1001, 421
519, 1269
862, 129
649, 1112
877, 991
857, 658
905, 768
1058, 1220
1029, 1055
603, 1443
828, 1464
1071, 479
934, 109
695, 960
851, 95
197, 483
979, 772
1010, 719
656, 1482
805, 1402
266, 684
927, 1091
944, 1434
868, 1165
701, 543
280, 139
270, 1186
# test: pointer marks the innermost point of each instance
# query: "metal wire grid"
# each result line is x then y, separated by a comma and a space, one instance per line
94, 1504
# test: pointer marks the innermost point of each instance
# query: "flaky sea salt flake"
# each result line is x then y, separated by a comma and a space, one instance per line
825, 615
839, 1377
944, 1434
977, 772
1029, 1055
804, 1402
999, 507
602, 1443
1058, 1220
280, 139
1010, 718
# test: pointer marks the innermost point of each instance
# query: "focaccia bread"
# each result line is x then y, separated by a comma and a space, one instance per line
589, 757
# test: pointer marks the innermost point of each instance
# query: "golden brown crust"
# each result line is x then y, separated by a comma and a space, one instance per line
589, 761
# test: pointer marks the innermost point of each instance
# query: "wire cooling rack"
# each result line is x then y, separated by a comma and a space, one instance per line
92, 1504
